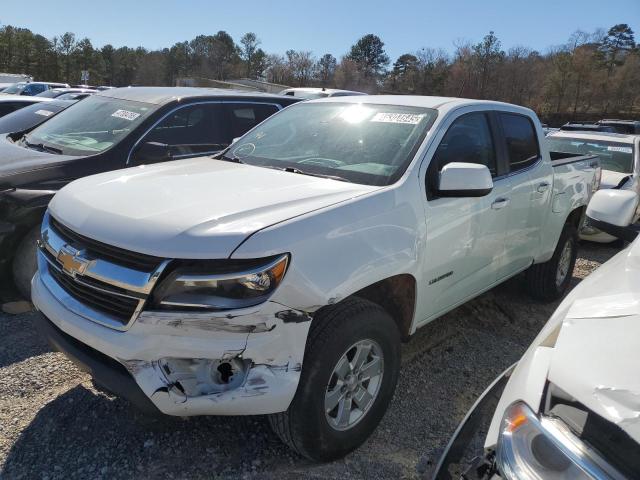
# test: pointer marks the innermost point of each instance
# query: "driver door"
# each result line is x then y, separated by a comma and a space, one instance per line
465, 236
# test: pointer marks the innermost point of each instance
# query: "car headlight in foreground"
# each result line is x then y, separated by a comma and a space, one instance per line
223, 288
543, 448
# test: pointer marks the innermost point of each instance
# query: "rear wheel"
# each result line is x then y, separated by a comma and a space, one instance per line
349, 375
25, 262
549, 281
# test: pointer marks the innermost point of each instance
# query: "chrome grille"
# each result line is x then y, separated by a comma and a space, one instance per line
104, 284
119, 307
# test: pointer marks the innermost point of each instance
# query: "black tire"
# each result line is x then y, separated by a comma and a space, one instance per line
25, 262
304, 426
541, 278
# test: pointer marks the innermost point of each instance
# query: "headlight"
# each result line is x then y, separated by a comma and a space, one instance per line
222, 290
533, 448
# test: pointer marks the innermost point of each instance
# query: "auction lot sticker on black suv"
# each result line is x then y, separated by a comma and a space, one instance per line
125, 114
410, 118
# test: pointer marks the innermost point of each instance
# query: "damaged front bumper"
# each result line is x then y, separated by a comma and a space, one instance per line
464, 457
244, 362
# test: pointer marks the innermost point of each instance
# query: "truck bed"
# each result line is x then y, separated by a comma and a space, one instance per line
563, 158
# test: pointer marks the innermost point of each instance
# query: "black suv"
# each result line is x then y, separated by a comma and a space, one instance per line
111, 130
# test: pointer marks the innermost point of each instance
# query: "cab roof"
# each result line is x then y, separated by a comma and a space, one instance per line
164, 95
438, 103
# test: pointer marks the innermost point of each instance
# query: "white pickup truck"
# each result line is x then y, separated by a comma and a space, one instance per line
280, 276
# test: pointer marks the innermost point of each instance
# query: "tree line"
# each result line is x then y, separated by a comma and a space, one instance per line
593, 74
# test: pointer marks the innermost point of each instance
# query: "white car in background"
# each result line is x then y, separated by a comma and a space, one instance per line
570, 408
309, 93
619, 156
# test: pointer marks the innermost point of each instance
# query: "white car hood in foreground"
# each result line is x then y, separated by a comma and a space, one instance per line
596, 357
197, 208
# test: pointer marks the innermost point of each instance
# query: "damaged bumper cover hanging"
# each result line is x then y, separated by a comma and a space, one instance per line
187, 363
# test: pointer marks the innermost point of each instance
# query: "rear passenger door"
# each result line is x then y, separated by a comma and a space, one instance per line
243, 116
531, 184
190, 131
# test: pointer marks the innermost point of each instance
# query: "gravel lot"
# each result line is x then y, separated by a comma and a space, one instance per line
55, 425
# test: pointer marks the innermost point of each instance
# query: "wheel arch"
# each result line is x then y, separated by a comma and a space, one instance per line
397, 296
576, 216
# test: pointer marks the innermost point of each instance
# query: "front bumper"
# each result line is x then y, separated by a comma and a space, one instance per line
463, 457
269, 339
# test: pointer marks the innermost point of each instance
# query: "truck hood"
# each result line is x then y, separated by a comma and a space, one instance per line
597, 353
15, 159
196, 208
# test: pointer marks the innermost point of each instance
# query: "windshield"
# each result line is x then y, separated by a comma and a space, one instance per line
16, 88
614, 156
31, 116
91, 126
368, 144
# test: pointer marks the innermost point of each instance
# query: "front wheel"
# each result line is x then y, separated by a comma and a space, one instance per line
549, 281
349, 375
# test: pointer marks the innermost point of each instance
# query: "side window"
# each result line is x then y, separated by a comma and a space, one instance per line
469, 140
245, 116
521, 139
191, 130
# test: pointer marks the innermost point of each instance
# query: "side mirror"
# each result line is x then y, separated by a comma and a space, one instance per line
153, 152
458, 179
613, 211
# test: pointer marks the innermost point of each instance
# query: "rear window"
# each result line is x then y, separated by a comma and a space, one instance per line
614, 156
521, 139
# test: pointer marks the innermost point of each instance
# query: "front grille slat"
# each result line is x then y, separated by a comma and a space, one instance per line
133, 260
119, 307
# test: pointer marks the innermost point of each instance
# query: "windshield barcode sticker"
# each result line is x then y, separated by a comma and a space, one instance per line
408, 118
620, 149
44, 113
125, 114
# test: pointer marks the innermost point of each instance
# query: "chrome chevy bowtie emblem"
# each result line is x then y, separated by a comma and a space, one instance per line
72, 260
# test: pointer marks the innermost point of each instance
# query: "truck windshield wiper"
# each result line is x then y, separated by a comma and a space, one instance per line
311, 174
224, 157
233, 159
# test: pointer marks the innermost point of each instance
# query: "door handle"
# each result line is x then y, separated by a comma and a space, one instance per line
543, 187
499, 203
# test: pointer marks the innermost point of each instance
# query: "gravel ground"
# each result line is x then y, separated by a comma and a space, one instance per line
54, 424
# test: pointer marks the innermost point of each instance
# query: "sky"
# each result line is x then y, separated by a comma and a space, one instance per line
326, 26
